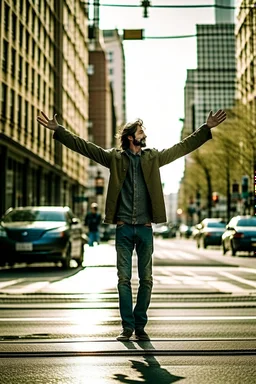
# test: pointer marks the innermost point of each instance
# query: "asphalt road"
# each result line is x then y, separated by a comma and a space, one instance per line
60, 326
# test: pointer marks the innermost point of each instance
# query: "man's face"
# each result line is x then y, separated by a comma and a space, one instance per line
139, 138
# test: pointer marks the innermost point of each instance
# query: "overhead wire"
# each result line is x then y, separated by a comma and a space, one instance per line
173, 6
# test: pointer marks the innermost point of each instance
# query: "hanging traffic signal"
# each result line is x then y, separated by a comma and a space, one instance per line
145, 4
245, 187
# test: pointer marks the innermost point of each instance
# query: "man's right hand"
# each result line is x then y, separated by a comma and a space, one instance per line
48, 123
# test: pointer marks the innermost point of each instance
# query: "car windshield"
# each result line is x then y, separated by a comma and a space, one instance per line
33, 215
250, 222
216, 225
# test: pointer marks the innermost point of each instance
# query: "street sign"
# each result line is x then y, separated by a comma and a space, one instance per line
133, 34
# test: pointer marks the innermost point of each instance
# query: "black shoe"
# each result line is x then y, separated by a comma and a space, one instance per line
141, 334
125, 334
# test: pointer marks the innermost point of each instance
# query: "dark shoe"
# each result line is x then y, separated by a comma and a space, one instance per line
141, 334
125, 334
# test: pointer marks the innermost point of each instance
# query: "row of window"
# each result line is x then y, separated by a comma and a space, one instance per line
20, 113
29, 16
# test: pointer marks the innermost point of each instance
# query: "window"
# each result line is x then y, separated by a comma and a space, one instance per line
38, 86
21, 35
14, 26
6, 17
4, 101
27, 11
27, 41
13, 62
5, 56
110, 56
26, 75
33, 81
20, 73
26, 118
19, 112
12, 106
32, 123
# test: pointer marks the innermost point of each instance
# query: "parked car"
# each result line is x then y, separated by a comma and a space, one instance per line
185, 230
161, 230
240, 235
209, 232
41, 234
166, 230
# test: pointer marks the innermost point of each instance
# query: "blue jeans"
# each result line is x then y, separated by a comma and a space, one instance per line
94, 236
128, 238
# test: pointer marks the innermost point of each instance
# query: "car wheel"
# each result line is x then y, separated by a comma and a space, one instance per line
81, 258
233, 251
66, 261
11, 263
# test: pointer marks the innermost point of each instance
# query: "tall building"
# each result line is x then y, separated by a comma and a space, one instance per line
116, 70
102, 115
215, 76
246, 55
225, 11
100, 101
212, 85
44, 63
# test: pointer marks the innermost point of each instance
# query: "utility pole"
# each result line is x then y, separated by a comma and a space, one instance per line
145, 4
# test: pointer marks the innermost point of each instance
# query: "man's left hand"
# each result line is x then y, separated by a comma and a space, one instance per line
215, 119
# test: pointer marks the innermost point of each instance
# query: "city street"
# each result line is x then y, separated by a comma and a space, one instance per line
59, 326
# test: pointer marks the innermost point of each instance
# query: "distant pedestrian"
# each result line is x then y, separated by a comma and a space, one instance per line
134, 201
93, 222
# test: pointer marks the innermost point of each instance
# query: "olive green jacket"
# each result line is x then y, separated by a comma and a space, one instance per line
118, 163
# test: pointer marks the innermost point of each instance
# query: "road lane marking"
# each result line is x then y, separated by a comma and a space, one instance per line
223, 286
10, 282
30, 288
116, 318
239, 279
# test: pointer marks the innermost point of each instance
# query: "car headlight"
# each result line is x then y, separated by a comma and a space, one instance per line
3, 232
57, 232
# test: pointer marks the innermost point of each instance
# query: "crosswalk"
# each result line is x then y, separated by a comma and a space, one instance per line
169, 273
166, 279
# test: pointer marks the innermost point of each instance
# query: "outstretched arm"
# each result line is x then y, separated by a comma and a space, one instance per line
74, 142
44, 120
215, 119
193, 141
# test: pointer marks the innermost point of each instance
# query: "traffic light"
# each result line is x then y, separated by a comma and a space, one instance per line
145, 4
245, 187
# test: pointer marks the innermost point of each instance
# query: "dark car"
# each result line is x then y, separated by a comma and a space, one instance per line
209, 232
185, 231
240, 235
41, 234
165, 231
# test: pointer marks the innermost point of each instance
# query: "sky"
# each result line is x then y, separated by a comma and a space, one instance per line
156, 69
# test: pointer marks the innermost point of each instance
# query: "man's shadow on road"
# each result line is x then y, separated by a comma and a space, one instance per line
150, 370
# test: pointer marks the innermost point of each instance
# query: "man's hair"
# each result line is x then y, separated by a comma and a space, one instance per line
128, 130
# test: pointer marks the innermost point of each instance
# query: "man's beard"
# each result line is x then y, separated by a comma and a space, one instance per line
139, 143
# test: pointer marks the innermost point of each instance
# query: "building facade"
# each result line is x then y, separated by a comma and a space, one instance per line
215, 77
44, 63
116, 71
246, 56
